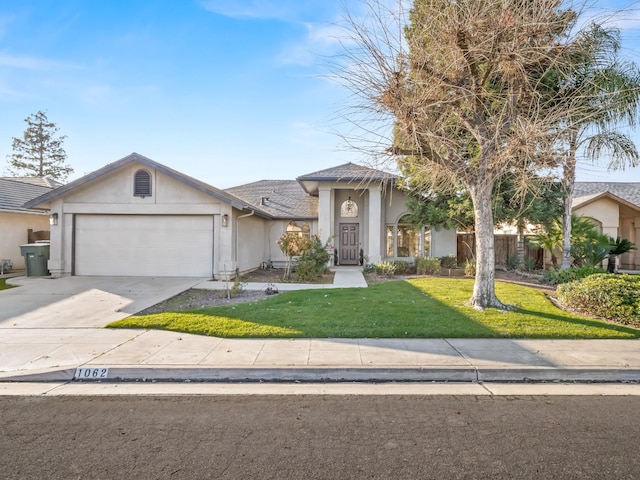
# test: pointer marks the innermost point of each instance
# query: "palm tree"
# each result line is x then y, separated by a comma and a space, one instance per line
609, 90
617, 247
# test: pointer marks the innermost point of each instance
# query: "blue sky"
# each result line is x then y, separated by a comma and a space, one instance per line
228, 91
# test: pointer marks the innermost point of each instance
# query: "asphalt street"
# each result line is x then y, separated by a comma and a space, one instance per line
320, 437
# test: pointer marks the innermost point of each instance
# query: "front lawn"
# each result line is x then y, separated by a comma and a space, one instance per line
417, 308
3, 284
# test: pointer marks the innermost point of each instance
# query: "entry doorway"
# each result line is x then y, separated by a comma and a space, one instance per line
349, 245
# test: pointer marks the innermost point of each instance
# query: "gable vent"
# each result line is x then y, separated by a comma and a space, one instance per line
142, 184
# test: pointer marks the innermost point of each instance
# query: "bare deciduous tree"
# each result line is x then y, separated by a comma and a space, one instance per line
469, 90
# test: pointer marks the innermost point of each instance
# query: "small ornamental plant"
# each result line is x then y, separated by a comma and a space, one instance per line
292, 244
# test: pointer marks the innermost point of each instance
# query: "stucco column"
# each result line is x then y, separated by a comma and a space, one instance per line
59, 263
375, 225
635, 254
324, 213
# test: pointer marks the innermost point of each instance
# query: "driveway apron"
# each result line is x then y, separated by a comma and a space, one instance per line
83, 302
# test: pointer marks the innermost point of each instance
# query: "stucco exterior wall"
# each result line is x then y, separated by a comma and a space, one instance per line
250, 245
112, 194
444, 243
13, 233
605, 211
395, 206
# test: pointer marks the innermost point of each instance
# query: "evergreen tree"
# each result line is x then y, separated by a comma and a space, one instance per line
39, 153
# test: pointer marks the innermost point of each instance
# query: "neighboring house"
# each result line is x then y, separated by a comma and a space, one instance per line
615, 209
136, 217
15, 220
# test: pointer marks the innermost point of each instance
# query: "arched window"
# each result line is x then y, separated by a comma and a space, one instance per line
142, 184
301, 228
402, 239
349, 209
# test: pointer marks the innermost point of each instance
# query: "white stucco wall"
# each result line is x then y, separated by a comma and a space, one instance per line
444, 243
13, 233
605, 211
250, 244
112, 194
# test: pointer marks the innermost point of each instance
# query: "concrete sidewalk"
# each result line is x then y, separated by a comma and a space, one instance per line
40, 354
132, 355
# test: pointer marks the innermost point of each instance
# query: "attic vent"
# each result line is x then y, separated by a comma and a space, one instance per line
264, 200
142, 184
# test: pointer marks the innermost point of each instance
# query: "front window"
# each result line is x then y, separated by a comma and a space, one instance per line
301, 228
408, 241
349, 209
403, 240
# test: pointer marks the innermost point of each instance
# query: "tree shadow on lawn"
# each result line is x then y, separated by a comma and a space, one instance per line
422, 308
587, 323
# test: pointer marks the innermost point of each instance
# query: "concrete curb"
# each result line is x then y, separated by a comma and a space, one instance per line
341, 374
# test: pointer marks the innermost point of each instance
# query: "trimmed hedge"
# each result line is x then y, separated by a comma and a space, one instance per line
557, 277
427, 266
614, 297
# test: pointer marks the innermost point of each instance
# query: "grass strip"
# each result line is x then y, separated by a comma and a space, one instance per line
418, 308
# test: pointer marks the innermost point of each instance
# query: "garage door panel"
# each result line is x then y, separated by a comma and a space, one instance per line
135, 245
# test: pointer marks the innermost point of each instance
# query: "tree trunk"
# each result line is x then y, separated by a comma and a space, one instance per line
568, 183
484, 287
520, 260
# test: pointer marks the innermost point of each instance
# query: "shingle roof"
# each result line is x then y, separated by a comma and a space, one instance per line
40, 181
349, 172
627, 191
278, 198
15, 192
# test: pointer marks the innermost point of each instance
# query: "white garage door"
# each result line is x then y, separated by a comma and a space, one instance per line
144, 245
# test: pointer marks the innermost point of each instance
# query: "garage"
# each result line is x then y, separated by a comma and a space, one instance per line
143, 245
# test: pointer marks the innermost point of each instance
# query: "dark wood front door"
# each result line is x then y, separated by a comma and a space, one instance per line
349, 244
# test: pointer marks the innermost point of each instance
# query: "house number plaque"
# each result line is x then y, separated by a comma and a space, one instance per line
91, 373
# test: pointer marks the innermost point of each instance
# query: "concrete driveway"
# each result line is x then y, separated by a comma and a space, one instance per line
81, 302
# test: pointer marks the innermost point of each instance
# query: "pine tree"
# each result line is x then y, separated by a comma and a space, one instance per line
39, 153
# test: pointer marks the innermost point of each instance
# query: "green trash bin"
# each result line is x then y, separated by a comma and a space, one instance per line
36, 256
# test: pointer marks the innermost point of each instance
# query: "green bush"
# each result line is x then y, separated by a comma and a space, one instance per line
313, 261
368, 268
529, 264
614, 297
427, 266
384, 268
402, 267
557, 277
449, 261
512, 262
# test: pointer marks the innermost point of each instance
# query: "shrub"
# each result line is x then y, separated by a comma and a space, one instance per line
449, 261
529, 264
313, 261
401, 267
427, 266
384, 268
557, 277
470, 267
614, 297
512, 262
368, 268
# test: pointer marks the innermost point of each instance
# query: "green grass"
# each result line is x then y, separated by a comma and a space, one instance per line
3, 284
420, 308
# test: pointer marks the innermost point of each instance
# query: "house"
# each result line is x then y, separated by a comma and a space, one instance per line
615, 209
136, 217
20, 225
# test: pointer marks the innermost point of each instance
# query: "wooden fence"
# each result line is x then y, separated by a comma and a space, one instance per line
506, 247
